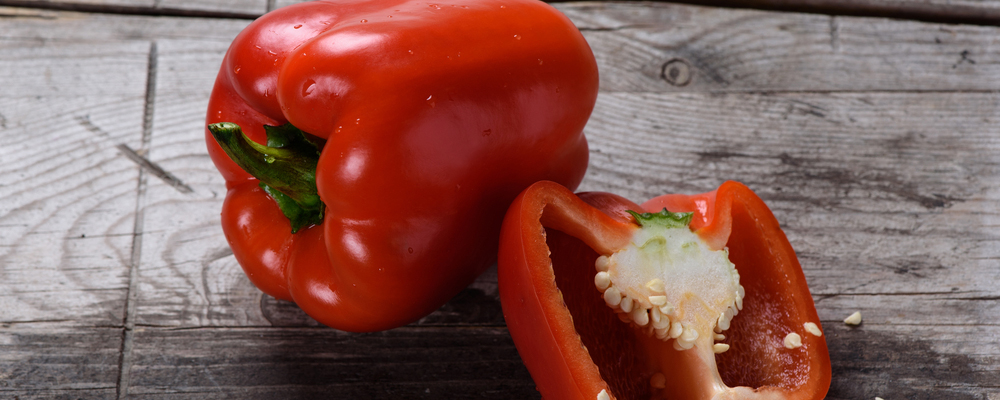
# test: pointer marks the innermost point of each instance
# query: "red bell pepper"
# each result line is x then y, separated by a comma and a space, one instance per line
569, 264
398, 132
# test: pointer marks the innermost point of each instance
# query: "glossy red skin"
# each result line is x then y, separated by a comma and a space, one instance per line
574, 346
436, 115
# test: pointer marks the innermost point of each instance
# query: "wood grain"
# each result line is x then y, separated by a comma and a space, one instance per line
58, 362
931, 362
67, 197
78, 29
305, 363
980, 12
242, 9
964, 12
722, 50
873, 140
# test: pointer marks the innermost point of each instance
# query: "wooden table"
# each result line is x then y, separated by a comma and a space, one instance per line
874, 140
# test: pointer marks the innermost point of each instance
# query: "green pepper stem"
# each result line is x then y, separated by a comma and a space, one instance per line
663, 218
286, 168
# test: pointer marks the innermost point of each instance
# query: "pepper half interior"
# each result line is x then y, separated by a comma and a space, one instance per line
639, 361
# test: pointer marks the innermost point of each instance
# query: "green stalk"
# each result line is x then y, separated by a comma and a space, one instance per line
286, 168
663, 218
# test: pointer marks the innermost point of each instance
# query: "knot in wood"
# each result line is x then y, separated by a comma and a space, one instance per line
676, 72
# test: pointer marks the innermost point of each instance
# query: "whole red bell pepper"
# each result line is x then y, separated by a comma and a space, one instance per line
607, 299
390, 136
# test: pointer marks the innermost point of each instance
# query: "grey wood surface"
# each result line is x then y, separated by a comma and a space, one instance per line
874, 141
980, 12
985, 12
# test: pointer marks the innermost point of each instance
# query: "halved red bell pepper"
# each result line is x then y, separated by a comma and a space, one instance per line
398, 132
569, 264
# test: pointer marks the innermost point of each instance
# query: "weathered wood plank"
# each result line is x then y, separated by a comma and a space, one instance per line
44, 362
931, 362
661, 47
109, 3
188, 271
720, 49
986, 12
43, 27
296, 363
969, 11
66, 193
246, 9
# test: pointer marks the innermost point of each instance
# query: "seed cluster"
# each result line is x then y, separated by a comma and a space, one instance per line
655, 314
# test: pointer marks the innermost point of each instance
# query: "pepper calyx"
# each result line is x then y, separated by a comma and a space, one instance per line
286, 168
665, 219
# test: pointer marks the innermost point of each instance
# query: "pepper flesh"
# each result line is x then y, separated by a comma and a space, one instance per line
576, 347
435, 115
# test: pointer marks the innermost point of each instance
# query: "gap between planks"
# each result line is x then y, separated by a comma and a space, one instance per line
128, 324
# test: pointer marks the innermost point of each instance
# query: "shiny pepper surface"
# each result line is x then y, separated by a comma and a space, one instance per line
426, 119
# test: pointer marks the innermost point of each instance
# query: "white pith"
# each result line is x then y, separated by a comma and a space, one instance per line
669, 283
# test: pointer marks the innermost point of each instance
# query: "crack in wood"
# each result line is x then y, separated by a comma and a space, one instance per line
17, 12
128, 334
154, 169
964, 59
834, 34
979, 298
136, 156
832, 295
611, 28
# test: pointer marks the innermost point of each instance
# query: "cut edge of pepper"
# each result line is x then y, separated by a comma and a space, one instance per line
527, 307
